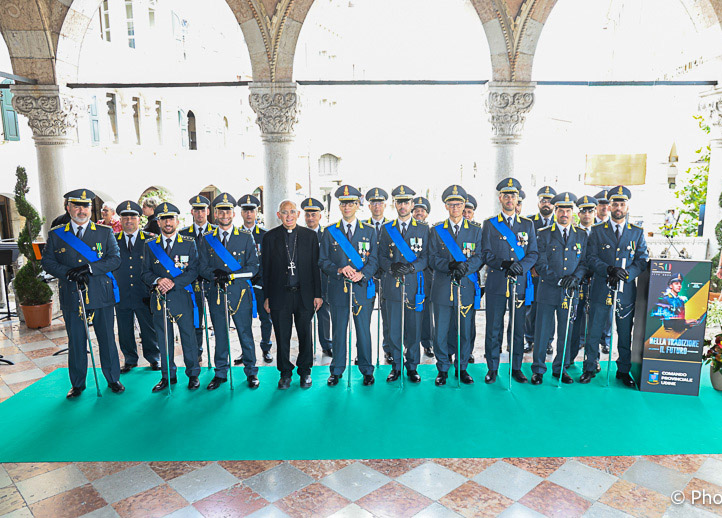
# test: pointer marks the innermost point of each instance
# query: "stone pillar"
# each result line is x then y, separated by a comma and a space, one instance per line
507, 104
710, 106
276, 107
52, 115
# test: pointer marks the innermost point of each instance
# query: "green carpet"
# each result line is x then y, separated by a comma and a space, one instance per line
381, 421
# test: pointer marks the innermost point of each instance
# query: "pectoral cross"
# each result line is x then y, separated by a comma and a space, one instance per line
292, 267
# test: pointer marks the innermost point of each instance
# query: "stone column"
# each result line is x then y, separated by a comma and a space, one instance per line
52, 115
507, 104
710, 106
276, 106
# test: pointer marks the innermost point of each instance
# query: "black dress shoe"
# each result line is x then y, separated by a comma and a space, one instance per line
626, 379
193, 382
155, 366
327, 352
550, 349
368, 379
238, 360
388, 358
306, 381
413, 376
333, 380
215, 383
75, 392
284, 383
267, 357
393, 375
598, 368
605, 349
566, 378
490, 377
441, 379
466, 378
537, 378
528, 347
428, 352
471, 359
587, 376
252, 381
518, 375
163, 384
127, 367
117, 387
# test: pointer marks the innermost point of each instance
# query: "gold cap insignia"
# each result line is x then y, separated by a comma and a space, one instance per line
248, 200
376, 192
225, 197
401, 190
82, 196
128, 208
546, 191
566, 197
165, 207
586, 200
198, 199
511, 183
621, 191
345, 190
455, 190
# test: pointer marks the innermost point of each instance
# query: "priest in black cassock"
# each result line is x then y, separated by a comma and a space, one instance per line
292, 286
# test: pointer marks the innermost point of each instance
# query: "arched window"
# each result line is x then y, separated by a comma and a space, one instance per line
225, 131
192, 142
328, 165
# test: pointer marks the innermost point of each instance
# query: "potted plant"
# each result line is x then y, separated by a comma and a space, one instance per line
713, 357
34, 295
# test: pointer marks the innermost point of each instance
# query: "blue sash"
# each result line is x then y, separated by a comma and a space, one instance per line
459, 256
519, 251
410, 256
234, 265
79, 246
169, 265
352, 254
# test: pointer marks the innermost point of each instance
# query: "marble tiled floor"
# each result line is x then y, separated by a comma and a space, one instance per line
553, 487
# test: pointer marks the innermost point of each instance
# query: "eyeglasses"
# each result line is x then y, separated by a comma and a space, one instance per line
455, 205
584, 211
292, 212
348, 203
545, 201
376, 203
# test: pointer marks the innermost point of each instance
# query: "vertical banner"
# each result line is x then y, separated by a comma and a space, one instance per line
674, 332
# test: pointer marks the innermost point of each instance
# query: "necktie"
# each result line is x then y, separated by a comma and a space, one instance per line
509, 222
130, 243
349, 235
79, 233
564, 233
199, 233
378, 228
168, 245
403, 229
225, 239
619, 232
456, 230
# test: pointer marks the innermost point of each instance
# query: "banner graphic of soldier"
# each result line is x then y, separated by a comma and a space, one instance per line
676, 319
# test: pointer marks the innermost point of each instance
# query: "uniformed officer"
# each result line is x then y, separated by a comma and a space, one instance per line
469, 210
520, 201
170, 265
376, 197
422, 209
249, 211
602, 215
509, 251
200, 211
609, 244
403, 257
542, 219
134, 293
560, 268
312, 209
587, 209
228, 258
349, 253
82, 252
455, 256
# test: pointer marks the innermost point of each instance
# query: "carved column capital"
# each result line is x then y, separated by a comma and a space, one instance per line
710, 107
276, 107
507, 104
52, 114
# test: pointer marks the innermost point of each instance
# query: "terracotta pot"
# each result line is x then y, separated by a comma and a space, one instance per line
716, 378
714, 296
38, 316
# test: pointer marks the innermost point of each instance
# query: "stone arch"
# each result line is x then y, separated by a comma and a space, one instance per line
27, 28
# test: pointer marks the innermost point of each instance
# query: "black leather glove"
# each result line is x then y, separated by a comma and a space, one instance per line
506, 264
612, 283
617, 272
396, 269
257, 279
516, 268
462, 268
569, 282
221, 277
406, 269
452, 265
79, 274
456, 275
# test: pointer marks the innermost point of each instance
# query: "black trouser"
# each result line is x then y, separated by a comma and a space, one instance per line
282, 321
